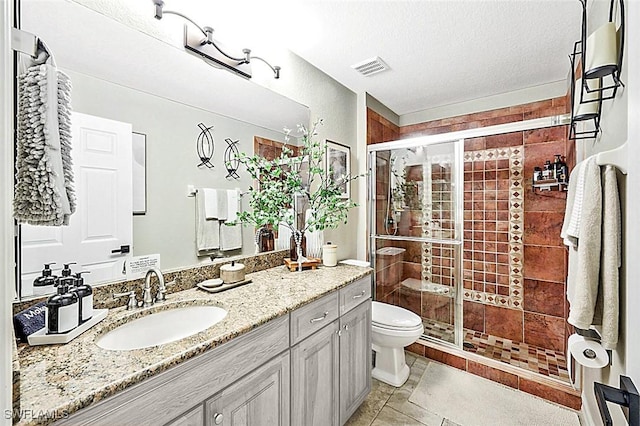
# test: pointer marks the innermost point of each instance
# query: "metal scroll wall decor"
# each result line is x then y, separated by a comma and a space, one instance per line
205, 145
231, 160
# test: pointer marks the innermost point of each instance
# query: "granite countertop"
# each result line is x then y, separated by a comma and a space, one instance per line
58, 380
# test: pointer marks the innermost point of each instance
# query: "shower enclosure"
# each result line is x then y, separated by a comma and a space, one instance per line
453, 218
416, 224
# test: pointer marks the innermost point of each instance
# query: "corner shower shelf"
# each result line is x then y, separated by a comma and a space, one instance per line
550, 185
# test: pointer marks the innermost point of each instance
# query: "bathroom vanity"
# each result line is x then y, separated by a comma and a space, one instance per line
294, 349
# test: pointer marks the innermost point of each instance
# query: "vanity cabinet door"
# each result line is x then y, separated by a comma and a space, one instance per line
260, 398
355, 359
314, 379
194, 417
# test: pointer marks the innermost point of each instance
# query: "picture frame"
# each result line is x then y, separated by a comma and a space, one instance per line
139, 172
338, 165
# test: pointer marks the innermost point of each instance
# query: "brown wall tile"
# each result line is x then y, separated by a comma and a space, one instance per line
416, 348
473, 316
544, 297
492, 374
504, 322
548, 134
544, 331
503, 140
544, 263
543, 228
445, 358
568, 399
535, 155
410, 299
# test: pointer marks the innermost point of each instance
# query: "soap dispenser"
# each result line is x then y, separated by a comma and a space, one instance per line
45, 283
66, 271
85, 297
62, 308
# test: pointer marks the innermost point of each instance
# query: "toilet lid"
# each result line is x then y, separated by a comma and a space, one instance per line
393, 316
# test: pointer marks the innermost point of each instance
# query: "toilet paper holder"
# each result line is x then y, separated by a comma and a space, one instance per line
627, 397
593, 334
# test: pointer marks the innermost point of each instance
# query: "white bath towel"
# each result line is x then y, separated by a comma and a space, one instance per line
584, 259
607, 304
44, 192
210, 196
207, 230
573, 212
230, 235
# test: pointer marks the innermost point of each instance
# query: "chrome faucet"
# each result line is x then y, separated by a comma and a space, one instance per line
147, 299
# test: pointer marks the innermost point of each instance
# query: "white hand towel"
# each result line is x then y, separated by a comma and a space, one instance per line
233, 205
207, 230
210, 202
222, 208
573, 213
584, 260
607, 305
230, 237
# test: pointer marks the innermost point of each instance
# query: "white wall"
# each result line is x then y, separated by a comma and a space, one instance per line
337, 106
168, 227
619, 123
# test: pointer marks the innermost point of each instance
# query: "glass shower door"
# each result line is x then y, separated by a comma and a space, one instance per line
415, 218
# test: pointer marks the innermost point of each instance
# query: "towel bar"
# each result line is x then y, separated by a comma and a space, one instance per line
617, 157
627, 396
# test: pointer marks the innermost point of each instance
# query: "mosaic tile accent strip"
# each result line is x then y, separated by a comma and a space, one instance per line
493, 226
533, 358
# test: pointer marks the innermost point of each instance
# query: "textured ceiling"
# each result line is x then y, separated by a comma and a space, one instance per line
439, 52
443, 52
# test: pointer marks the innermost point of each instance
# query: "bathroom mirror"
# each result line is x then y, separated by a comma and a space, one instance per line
125, 75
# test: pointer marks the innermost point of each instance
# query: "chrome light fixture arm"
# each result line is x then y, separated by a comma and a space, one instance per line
208, 34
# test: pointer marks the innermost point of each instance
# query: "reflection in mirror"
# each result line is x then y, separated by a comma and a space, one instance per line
135, 84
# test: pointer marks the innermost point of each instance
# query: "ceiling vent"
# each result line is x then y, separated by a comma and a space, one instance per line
370, 66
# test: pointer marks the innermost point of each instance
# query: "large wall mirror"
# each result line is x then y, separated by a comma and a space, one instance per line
124, 77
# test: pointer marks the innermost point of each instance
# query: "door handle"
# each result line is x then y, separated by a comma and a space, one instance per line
122, 249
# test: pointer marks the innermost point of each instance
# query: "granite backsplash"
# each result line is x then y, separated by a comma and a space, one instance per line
184, 278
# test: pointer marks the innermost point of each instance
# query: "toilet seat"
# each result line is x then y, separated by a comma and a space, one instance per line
393, 317
398, 332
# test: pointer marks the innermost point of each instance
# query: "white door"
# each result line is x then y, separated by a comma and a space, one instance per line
103, 219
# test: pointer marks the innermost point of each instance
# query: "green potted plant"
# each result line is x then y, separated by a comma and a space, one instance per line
283, 180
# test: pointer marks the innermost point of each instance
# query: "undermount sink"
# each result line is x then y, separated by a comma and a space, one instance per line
162, 327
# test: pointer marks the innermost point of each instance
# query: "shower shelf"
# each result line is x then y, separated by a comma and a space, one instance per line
550, 185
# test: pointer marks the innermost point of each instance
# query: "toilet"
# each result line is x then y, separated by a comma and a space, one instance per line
393, 328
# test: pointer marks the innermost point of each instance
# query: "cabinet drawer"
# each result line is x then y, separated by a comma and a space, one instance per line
312, 317
354, 294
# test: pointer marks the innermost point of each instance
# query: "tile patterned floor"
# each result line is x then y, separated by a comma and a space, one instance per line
390, 406
538, 360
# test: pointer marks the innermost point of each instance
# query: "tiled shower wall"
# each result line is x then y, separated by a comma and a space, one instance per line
514, 264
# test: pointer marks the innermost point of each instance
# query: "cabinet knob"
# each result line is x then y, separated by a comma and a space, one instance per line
217, 418
346, 327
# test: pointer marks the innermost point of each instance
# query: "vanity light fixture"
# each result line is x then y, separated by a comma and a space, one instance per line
211, 50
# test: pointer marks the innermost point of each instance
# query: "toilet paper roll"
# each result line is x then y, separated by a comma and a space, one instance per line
586, 352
